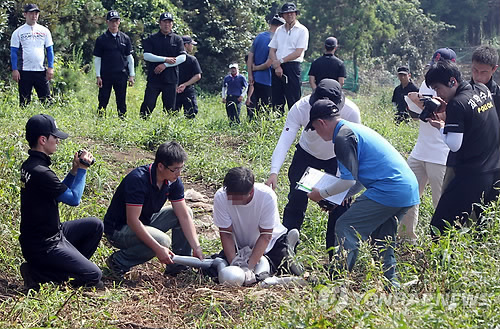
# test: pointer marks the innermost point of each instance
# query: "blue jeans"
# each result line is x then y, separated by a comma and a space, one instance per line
134, 252
369, 219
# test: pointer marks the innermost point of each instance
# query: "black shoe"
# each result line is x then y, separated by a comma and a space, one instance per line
116, 271
29, 282
174, 269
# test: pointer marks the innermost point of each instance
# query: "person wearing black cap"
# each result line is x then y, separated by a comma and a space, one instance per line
469, 125
287, 48
28, 45
55, 251
427, 159
365, 159
406, 86
259, 68
114, 64
311, 151
189, 74
163, 52
327, 66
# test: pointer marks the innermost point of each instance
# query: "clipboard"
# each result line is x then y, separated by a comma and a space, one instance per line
319, 179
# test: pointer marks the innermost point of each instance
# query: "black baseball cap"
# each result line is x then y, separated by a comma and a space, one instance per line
322, 109
112, 14
188, 39
331, 42
166, 16
329, 89
43, 124
403, 70
31, 7
289, 7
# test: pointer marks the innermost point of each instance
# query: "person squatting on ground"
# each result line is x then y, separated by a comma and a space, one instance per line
55, 251
189, 74
287, 48
259, 68
246, 214
163, 52
468, 122
137, 221
484, 65
311, 151
234, 89
327, 66
365, 159
406, 86
114, 65
427, 160
28, 45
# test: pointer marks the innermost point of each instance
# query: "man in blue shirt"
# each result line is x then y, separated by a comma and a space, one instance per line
259, 67
365, 159
234, 89
136, 221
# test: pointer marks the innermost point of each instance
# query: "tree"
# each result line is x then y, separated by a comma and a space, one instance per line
224, 30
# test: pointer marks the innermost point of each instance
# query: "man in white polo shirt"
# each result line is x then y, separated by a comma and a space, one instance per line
246, 214
27, 53
311, 151
286, 51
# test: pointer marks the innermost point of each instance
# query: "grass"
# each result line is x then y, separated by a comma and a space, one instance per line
452, 284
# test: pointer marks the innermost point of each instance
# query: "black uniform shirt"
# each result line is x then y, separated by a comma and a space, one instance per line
398, 96
159, 44
39, 209
113, 52
327, 66
472, 112
189, 69
495, 93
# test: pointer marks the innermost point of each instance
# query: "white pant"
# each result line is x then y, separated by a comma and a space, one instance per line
426, 172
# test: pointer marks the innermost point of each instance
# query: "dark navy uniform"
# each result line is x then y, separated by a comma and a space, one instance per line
473, 170
187, 99
495, 93
54, 251
327, 66
170, 45
113, 51
398, 97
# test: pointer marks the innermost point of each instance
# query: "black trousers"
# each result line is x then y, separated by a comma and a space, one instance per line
69, 256
261, 99
168, 95
187, 100
286, 89
295, 210
30, 80
117, 81
461, 194
233, 108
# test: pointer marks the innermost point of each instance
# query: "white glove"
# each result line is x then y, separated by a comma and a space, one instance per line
249, 276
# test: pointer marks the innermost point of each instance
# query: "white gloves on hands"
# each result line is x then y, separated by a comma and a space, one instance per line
249, 276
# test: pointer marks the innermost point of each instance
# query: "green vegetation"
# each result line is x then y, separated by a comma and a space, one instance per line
453, 284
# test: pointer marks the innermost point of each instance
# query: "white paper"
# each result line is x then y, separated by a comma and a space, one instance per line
319, 179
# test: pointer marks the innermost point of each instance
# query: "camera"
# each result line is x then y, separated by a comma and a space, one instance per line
430, 106
85, 162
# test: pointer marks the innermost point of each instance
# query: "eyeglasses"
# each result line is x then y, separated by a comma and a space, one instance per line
178, 169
